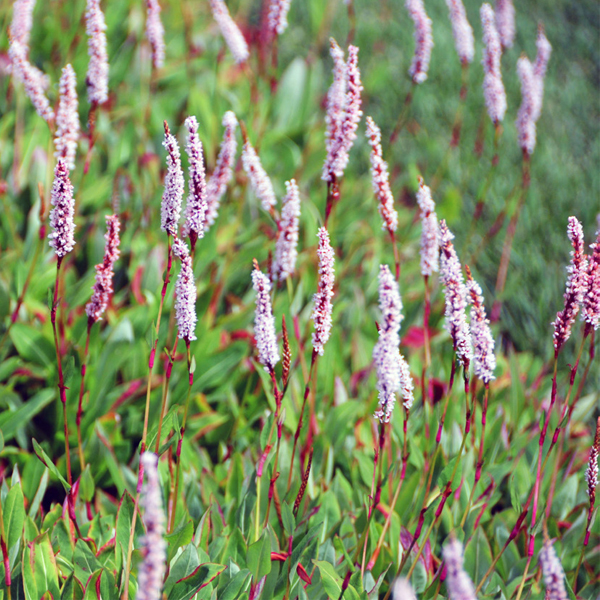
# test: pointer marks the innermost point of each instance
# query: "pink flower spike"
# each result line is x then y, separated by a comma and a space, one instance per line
217, 183
97, 74
576, 285
380, 179
458, 582
456, 297
102, 288
402, 590
67, 118
230, 31
61, 216
493, 88
322, 299
264, 322
406, 384
174, 186
429, 231
591, 300
155, 32
154, 546
544, 49
185, 292
462, 31
22, 21
554, 576
259, 180
530, 99
286, 253
505, 22
423, 40
195, 210
591, 473
278, 10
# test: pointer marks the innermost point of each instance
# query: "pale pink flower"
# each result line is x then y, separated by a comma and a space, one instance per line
217, 183
264, 322
590, 309
406, 384
544, 49
62, 237
402, 590
278, 10
230, 31
380, 179
462, 31
102, 288
195, 210
97, 74
493, 88
554, 576
174, 186
591, 473
259, 180
22, 21
505, 22
67, 118
185, 293
456, 297
429, 231
423, 40
458, 582
529, 93
154, 547
322, 299
286, 246
155, 32
576, 285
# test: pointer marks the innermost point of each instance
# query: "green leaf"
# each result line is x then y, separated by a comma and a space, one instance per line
258, 557
14, 519
31, 345
39, 452
447, 471
84, 561
287, 516
86, 485
332, 582
235, 586
40, 574
187, 562
123, 527
91, 588
180, 537
185, 588
11, 421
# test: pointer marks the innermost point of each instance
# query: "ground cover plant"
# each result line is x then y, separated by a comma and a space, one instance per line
299, 300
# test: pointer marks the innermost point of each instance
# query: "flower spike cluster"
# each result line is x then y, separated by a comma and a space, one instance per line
591, 473
456, 297
264, 322
484, 360
102, 288
343, 111
259, 180
230, 31
505, 22
380, 179
152, 568
429, 231
170, 209
185, 292
217, 183
493, 88
386, 354
554, 576
576, 285
61, 216
278, 10
591, 301
402, 590
195, 210
155, 32
423, 40
67, 118
97, 74
286, 246
458, 582
462, 31
322, 299
22, 21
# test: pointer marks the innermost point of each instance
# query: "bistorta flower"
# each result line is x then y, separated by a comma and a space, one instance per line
62, 237
456, 297
154, 547
323, 308
278, 10
406, 384
22, 21
185, 293
230, 31
458, 582
217, 183
505, 22
544, 49
493, 88
423, 40
264, 322
259, 180
170, 209
97, 74
195, 210
286, 246
402, 590
576, 285
429, 231
462, 31
155, 32
590, 308
554, 576
67, 118
102, 288
591, 473
380, 179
